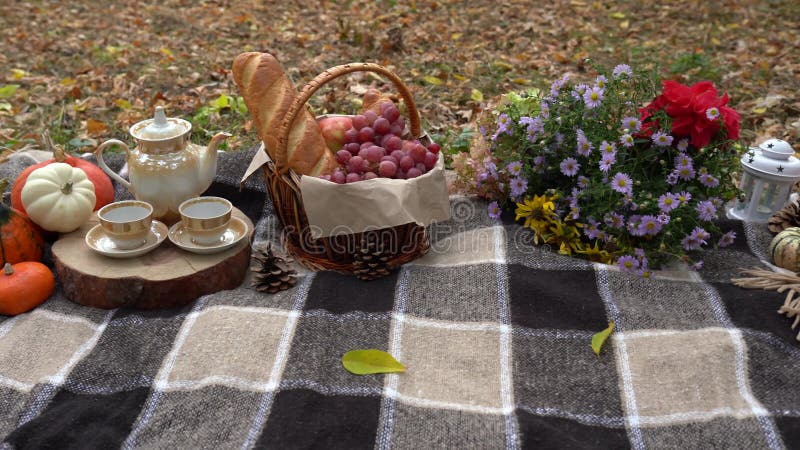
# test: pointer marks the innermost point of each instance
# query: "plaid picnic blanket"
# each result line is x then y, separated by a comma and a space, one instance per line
495, 334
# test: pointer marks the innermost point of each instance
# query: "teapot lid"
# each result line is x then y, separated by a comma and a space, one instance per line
160, 127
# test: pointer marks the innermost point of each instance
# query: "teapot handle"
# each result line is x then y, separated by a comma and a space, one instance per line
106, 169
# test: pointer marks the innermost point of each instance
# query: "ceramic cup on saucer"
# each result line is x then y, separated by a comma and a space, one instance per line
206, 219
126, 223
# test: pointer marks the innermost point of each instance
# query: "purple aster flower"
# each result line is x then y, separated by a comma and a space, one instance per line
491, 168
635, 225
684, 197
712, 114
535, 126
626, 140
608, 148
628, 263
584, 146
695, 239
689, 242
482, 177
663, 218
591, 230
685, 173
661, 139
622, 183
708, 180
638, 252
672, 178
583, 182
514, 168
569, 167
727, 239
667, 202
697, 266
683, 144
573, 198
578, 91
593, 97
518, 186
601, 81
650, 225
544, 110
706, 210
683, 160
555, 88
539, 162
718, 202
632, 124
503, 122
622, 69
494, 211
614, 220
607, 161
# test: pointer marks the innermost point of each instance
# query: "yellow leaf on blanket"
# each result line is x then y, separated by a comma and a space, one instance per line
600, 338
366, 362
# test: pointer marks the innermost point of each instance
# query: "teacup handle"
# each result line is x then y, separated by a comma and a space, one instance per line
106, 169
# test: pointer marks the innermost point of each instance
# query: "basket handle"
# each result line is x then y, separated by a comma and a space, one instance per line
334, 72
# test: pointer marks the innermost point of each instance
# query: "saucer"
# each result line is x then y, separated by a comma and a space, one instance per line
237, 230
97, 240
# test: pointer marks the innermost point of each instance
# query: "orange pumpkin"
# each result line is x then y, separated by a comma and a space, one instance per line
24, 286
19, 239
103, 189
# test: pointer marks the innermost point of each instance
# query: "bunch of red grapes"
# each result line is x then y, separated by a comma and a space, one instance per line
373, 148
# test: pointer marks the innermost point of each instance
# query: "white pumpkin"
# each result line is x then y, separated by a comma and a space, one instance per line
58, 197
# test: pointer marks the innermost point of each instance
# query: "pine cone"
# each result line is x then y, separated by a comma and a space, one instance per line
370, 261
787, 217
273, 272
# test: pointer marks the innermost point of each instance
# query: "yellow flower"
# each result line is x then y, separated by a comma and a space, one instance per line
565, 236
595, 253
537, 212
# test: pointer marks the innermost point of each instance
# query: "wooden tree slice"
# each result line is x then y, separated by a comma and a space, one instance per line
165, 277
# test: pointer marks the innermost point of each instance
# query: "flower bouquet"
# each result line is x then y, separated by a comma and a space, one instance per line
613, 171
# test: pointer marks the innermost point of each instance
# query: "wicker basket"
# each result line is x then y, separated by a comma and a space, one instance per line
399, 244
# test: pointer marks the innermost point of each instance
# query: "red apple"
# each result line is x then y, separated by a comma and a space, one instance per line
333, 129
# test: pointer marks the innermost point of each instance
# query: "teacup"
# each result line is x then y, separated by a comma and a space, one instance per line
126, 223
206, 218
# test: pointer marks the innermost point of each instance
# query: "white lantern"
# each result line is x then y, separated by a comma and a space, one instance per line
769, 171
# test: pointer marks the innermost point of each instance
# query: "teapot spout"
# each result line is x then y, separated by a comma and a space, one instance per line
208, 160
211, 151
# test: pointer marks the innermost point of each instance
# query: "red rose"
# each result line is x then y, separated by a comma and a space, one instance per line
688, 107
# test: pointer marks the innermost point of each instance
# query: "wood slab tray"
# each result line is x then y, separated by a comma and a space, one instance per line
163, 278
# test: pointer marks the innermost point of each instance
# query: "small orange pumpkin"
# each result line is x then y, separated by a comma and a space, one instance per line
24, 286
19, 239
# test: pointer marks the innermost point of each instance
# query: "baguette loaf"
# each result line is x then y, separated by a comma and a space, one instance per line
268, 94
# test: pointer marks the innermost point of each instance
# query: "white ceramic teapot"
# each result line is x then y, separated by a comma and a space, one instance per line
165, 168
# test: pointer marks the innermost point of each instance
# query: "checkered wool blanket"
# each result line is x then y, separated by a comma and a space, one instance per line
495, 334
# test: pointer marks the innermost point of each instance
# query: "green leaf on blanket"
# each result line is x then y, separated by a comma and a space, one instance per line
365, 362
600, 338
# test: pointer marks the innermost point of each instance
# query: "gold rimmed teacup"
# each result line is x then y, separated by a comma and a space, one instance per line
206, 218
126, 223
